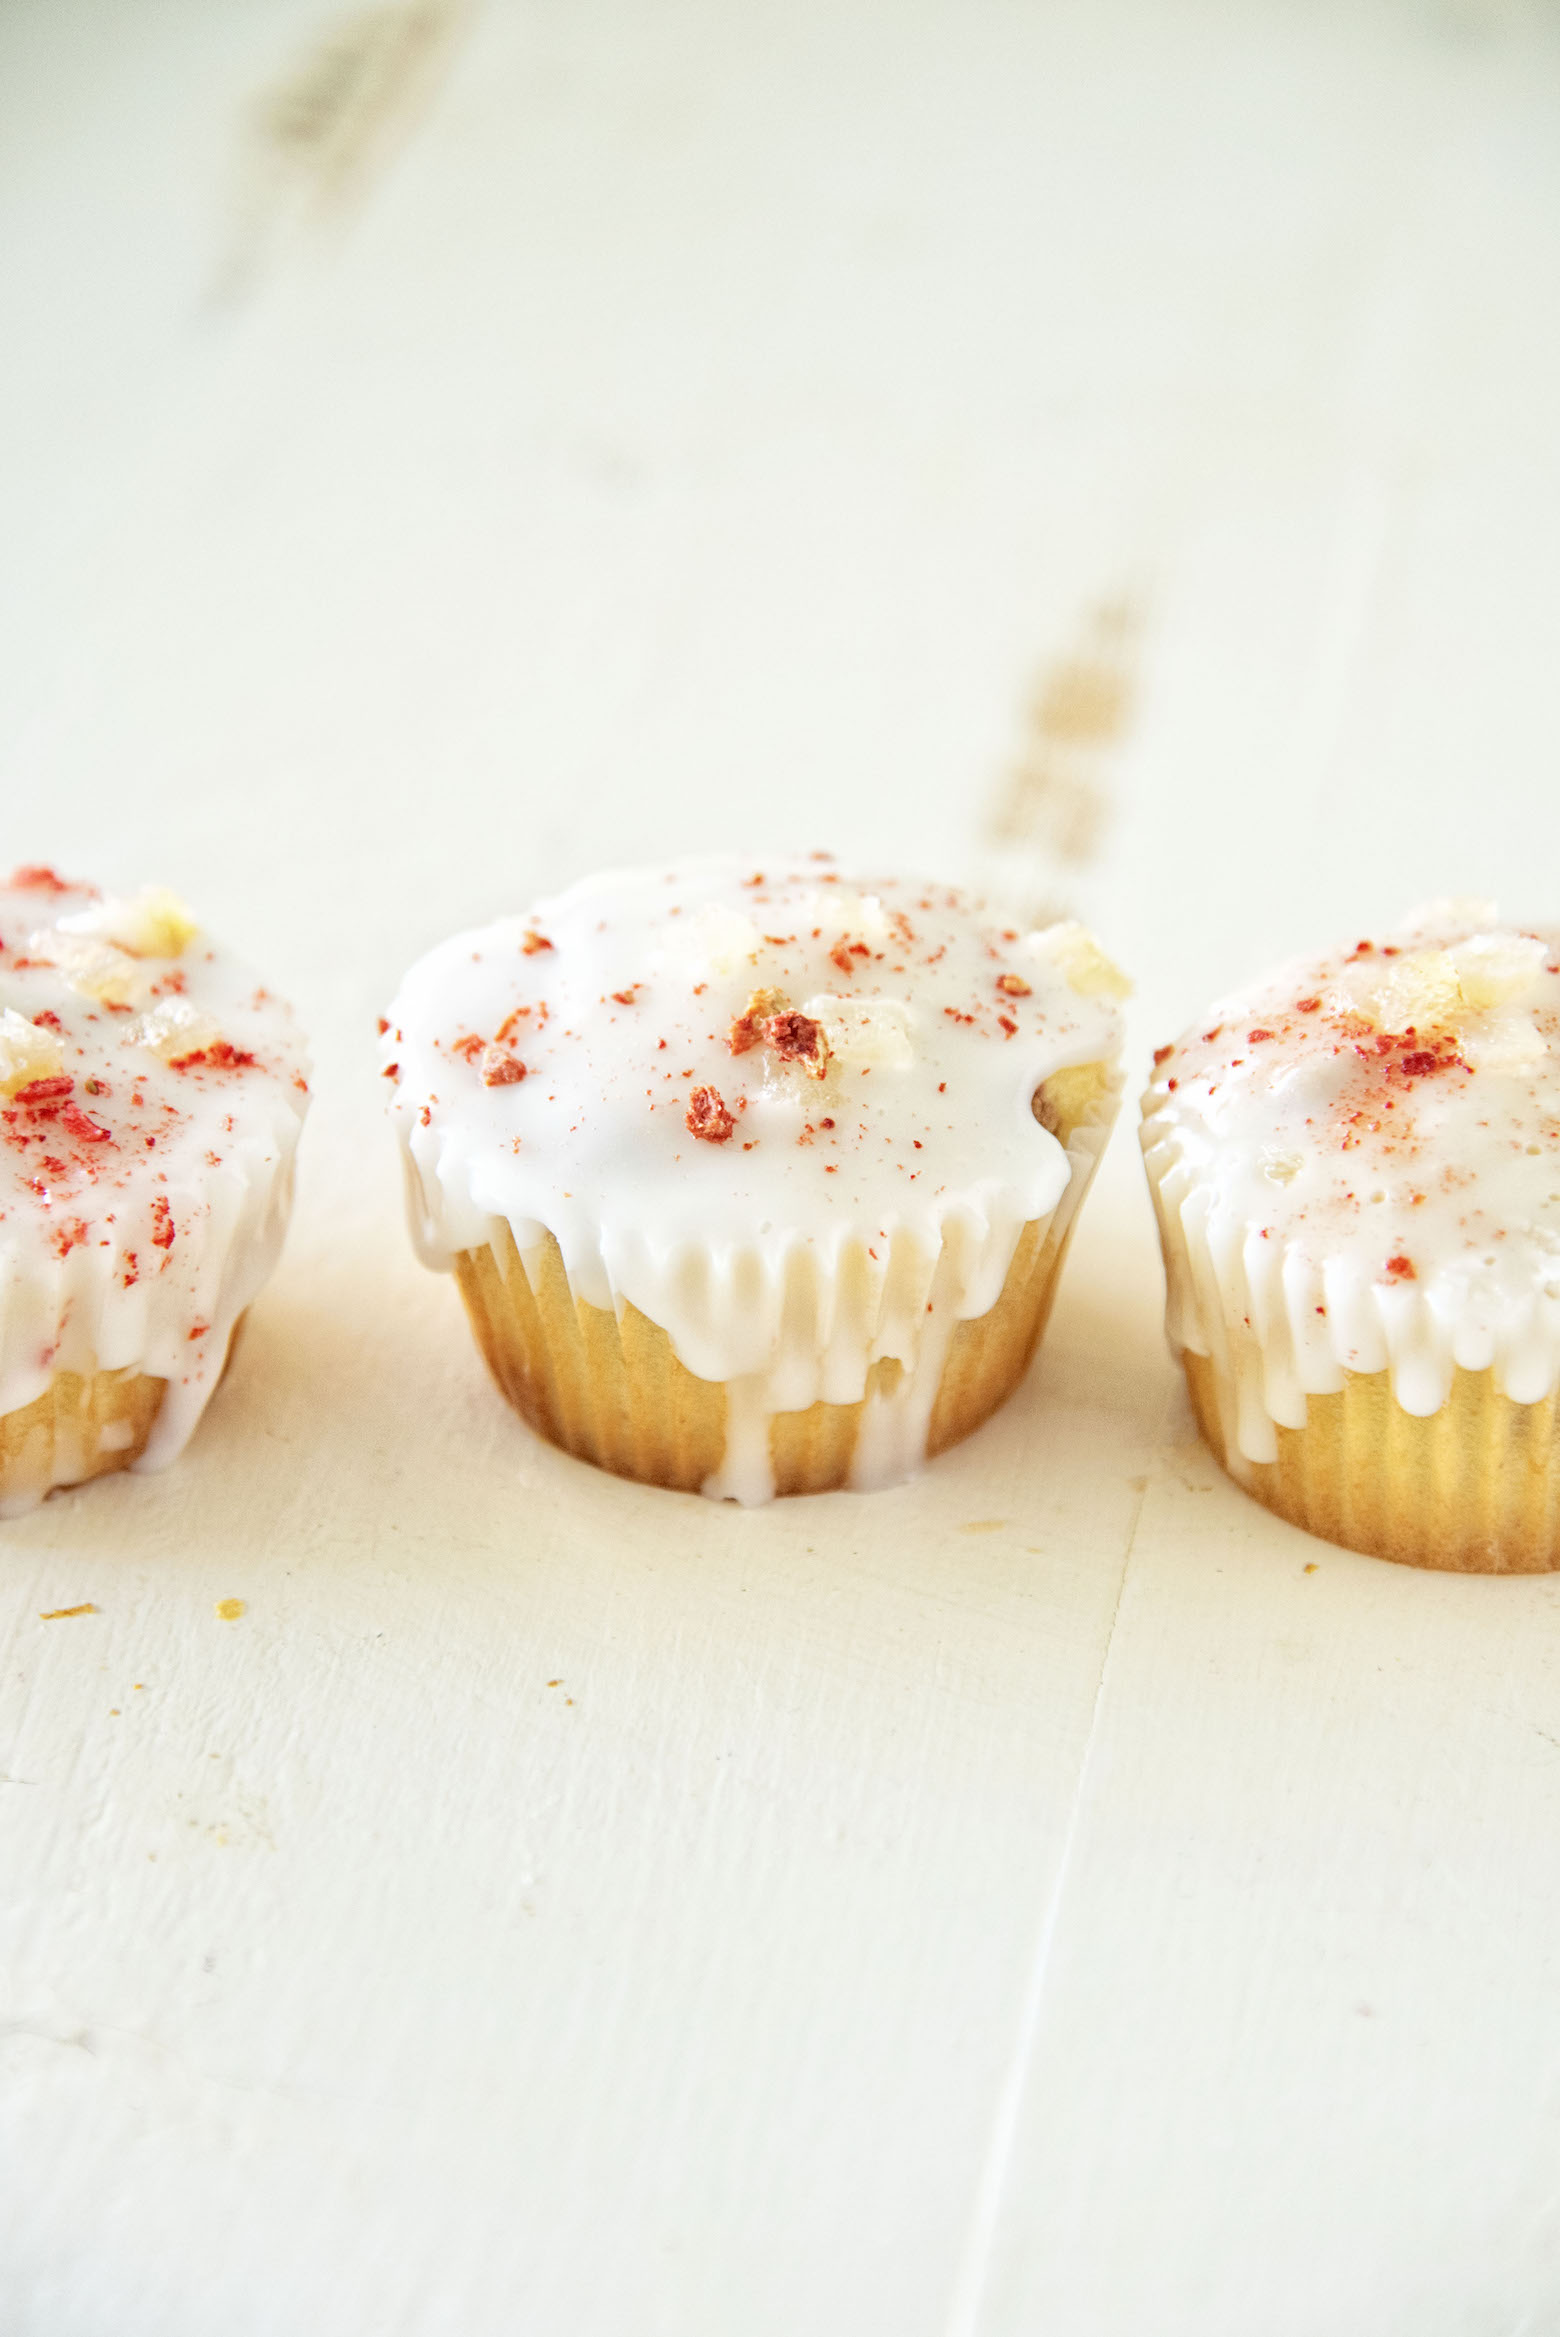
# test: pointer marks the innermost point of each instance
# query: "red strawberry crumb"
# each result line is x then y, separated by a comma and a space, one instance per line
747, 1028
797, 1038
221, 1055
81, 1124
707, 1116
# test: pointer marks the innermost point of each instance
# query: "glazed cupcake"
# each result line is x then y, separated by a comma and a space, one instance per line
1356, 1170
755, 1178
151, 1095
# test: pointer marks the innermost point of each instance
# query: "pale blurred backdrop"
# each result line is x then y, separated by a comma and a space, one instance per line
1104, 451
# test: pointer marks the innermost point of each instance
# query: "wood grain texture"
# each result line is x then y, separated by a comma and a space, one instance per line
1027, 1901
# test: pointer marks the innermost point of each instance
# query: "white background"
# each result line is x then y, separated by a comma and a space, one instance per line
446, 449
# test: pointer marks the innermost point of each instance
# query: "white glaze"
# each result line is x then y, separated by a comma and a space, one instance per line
139, 1247
1333, 1200
788, 1259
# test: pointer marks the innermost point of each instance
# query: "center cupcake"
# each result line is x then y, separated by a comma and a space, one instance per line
755, 1178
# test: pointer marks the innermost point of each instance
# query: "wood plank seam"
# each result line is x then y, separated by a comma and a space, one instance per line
969, 2292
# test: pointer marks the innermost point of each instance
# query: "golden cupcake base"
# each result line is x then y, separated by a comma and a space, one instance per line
1472, 1489
610, 1390
82, 1426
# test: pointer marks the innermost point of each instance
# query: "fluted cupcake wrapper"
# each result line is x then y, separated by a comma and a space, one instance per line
1473, 1489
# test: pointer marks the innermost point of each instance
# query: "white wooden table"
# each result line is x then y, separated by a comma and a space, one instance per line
1108, 450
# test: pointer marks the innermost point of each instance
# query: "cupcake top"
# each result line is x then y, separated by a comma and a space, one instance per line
150, 1097
1371, 1143
730, 1056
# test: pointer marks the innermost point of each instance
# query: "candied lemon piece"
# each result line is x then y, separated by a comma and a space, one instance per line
93, 968
1074, 949
1422, 993
27, 1052
1438, 989
1493, 967
153, 923
865, 1033
1280, 1166
175, 1029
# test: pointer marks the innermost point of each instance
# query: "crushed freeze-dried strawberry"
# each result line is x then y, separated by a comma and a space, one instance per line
797, 1038
707, 1116
81, 1124
221, 1055
747, 1028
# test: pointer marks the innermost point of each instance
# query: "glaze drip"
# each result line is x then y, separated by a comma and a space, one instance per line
785, 1115
1356, 1168
150, 1100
